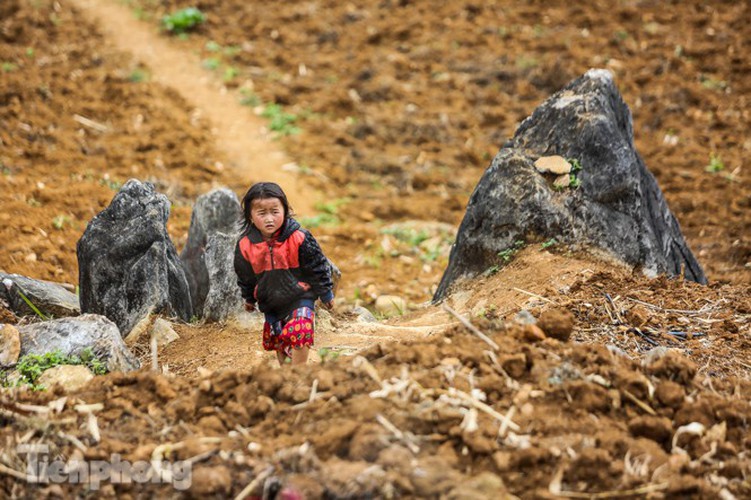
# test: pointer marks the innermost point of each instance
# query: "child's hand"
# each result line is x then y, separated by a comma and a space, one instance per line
328, 305
250, 307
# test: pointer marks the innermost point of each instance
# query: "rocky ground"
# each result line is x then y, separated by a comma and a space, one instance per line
400, 106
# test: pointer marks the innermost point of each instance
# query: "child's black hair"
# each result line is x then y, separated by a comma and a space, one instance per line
261, 191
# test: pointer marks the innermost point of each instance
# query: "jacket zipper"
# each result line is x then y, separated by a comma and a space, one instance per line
271, 251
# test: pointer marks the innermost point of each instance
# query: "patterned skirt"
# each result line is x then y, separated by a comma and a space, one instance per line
294, 332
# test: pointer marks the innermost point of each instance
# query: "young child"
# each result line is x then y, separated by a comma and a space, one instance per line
281, 268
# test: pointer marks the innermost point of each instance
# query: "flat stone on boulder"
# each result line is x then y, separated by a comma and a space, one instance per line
554, 164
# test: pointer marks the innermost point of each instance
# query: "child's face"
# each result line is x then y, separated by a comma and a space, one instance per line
267, 215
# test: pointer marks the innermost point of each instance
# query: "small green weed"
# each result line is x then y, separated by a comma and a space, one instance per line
59, 221
550, 243
712, 84
8, 66
30, 52
112, 184
249, 98
331, 207
211, 63
509, 254
324, 219
230, 73
715, 164
327, 354
139, 75
183, 20
31, 366
31, 305
412, 237
280, 121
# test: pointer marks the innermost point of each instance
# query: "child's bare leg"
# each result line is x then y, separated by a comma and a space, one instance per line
300, 356
281, 356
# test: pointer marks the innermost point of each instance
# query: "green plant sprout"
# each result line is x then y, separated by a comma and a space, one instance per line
212, 63
58, 222
183, 20
31, 366
249, 98
31, 305
326, 354
715, 164
508, 254
279, 121
550, 243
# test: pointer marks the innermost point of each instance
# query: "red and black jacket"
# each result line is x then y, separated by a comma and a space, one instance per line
283, 273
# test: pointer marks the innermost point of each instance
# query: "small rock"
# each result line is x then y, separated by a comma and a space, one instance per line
363, 315
524, 317
10, 345
554, 164
670, 394
533, 333
514, 364
484, 485
390, 305
557, 323
70, 377
163, 332
637, 316
656, 428
211, 481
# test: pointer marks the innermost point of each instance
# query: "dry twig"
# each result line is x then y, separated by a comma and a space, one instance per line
472, 328
255, 483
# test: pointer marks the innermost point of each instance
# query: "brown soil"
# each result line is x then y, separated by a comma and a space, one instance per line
401, 105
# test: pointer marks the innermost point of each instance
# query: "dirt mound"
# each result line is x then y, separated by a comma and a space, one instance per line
421, 418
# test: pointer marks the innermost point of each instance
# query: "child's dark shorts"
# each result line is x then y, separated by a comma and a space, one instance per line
294, 332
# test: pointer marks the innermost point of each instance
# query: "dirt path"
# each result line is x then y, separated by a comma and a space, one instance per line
239, 133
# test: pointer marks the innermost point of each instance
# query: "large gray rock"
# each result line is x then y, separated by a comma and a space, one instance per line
223, 298
128, 266
215, 212
72, 336
617, 207
50, 298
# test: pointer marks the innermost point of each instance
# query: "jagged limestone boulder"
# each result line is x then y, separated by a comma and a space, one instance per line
609, 200
128, 266
215, 213
223, 298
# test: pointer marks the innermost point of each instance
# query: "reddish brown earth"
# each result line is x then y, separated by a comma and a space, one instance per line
400, 105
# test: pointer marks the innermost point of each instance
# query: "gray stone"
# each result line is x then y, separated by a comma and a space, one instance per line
10, 345
52, 299
72, 336
69, 377
163, 332
218, 211
363, 315
128, 266
390, 305
617, 206
223, 298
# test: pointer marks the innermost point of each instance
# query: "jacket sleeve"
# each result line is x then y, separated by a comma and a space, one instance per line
246, 278
316, 268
